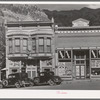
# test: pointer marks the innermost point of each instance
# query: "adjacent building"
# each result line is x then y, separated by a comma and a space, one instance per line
78, 50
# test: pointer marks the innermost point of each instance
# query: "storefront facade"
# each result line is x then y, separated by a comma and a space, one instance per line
29, 45
78, 51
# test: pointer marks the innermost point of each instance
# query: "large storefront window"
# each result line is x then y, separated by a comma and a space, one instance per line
34, 45
24, 45
10, 46
17, 45
95, 63
41, 45
64, 63
48, 44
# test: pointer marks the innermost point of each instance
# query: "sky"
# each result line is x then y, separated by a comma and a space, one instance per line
67, 6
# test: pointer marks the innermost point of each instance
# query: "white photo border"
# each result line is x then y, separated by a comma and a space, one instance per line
51, 94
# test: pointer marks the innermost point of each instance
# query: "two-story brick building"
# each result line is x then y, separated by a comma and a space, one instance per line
29, 45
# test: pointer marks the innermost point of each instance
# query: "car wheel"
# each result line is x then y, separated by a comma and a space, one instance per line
17, 85
1, 86
36, 81
51, 82
5, 83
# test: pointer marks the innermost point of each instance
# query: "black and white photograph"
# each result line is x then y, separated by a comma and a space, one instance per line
50, 46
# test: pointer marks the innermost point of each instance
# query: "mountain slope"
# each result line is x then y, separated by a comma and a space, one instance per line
14, 12
65, 18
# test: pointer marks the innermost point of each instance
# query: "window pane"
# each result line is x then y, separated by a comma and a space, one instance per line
60, 54
41, 48
29, 74
48, 41
17, 49
24, 49
10, 46
77, 61
10, 50
24, 42
34, 49
33, 41
34, 45
98, 53
48, 48
93, 53
10, 42
67, 54
33, 74
17, 41
41, 41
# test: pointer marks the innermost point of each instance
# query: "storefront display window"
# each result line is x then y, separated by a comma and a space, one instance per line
95, 71
95, 63
64, 63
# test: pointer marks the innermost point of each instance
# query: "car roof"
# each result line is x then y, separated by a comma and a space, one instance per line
15, 74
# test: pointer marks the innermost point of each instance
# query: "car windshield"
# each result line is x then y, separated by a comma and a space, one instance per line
11, 76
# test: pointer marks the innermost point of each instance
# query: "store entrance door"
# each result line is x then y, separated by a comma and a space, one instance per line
80, 64
80, 71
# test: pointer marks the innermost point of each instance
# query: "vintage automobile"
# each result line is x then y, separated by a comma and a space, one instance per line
47, 78
16, 80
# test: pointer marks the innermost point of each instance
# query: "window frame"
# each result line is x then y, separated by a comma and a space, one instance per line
34, 46
26, 46
17, 46
48, 38
39, 46
64, 55
10, 46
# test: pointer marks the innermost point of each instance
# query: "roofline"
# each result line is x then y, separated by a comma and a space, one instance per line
82, 19
84, 27
31, 22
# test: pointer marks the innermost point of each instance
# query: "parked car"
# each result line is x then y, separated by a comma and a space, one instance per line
47, 78
16, 80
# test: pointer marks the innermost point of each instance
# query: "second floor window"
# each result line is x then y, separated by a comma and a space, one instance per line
34, 45
41, 45
10, 46
24, 45
48, 44
17, 45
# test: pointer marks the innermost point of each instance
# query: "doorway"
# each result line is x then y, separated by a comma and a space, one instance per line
80, 64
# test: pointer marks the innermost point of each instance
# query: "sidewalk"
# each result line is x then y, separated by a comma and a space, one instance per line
82, 84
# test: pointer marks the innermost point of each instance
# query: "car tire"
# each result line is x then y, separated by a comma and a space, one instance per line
5, 83
36, 81
1, 86
51, 82
17, 85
